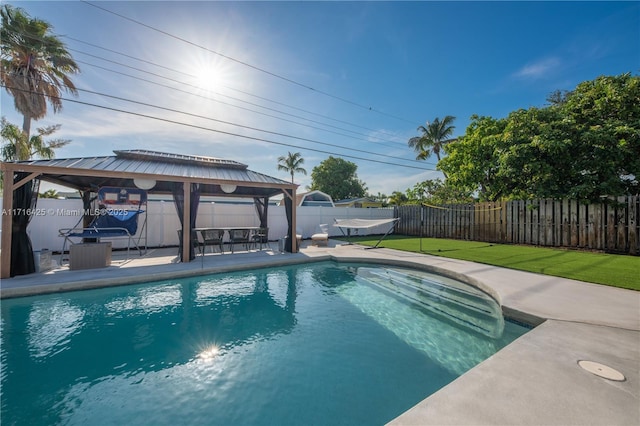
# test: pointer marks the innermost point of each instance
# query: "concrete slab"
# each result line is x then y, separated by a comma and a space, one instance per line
537, 381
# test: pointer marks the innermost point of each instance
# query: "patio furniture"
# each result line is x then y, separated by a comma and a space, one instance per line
240, 236
119, 210
89, 255
356, 224
212, 238
321, 237
298, 237
109, 224
261, 236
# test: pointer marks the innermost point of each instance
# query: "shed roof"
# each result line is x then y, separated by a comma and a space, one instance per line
361, 199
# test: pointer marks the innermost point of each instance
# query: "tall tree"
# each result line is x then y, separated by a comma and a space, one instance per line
18, 147
584, 145
35, 65
536, 155
292, 163
338, 178
433, 139
434, 191
473, 161
604, 119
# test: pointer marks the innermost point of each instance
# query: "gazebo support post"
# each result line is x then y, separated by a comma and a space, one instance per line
186, 223
294, 240
7, 223
7, 215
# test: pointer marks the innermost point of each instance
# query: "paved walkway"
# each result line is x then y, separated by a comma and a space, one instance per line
535, 380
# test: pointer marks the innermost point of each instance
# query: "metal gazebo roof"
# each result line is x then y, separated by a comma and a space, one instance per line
89, 173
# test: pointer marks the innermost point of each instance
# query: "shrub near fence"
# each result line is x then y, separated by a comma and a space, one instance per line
611, 225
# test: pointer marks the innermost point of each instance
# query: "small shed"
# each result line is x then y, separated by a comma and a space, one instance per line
314, 198
185, 177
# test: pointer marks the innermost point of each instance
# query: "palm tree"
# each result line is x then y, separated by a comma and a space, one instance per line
18, 147
292, 164
434, 137
35, 66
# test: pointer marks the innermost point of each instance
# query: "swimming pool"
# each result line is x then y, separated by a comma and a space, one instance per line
321, 343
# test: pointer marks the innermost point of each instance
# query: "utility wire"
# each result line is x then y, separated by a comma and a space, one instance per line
123, 54
240, 107
288, 80
221, 121
166, 120
379, 140
369, 137
239, 125
232, 105
231, 123
225, 86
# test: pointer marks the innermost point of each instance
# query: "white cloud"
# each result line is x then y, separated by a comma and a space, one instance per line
538, 69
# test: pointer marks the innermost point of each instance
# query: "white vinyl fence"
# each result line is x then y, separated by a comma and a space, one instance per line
163, 223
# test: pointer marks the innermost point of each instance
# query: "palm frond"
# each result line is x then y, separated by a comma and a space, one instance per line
36, 65
434, 136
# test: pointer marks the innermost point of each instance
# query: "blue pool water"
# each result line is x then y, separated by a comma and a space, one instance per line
321, 343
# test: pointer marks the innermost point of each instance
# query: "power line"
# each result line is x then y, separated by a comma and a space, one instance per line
166, 120
243, 108
369, 137
123, 54
232, 105
225, 86
230, 123
380, 140
288, 80
240, 125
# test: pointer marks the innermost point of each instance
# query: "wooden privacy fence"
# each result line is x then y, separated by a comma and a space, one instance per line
611, 225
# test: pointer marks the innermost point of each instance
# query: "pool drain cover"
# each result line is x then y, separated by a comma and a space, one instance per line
602, 370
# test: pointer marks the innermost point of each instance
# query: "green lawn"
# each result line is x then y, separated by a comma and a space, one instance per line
608, 269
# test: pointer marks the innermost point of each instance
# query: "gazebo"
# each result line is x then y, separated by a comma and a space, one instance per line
186, 177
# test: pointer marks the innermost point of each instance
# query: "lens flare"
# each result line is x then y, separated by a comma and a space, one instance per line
209, 353
208, 79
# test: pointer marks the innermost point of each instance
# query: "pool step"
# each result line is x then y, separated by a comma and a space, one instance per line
460, 293
457, 302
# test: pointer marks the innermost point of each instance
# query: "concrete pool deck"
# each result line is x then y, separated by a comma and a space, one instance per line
535, 380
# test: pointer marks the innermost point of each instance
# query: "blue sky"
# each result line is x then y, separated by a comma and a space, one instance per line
362, 75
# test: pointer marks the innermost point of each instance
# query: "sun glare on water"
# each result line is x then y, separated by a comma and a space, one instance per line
209, 353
